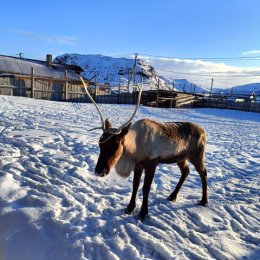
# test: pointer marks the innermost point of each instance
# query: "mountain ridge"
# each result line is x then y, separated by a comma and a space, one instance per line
118, 71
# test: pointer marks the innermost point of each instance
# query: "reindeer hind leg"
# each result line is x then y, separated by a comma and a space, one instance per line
198, 162
203, 176
183, 165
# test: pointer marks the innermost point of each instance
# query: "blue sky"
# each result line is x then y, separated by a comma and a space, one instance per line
169, 28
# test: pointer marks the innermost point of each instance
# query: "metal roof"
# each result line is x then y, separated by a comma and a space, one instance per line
13, 65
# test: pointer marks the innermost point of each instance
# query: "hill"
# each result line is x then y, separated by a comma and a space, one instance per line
245, 89
117, 71
113, 71
187, 86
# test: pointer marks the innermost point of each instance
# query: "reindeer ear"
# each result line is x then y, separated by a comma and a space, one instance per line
107, 124
125, 130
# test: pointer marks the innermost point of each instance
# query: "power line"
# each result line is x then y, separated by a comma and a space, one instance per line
225, 77
209, 75
204, 79
204, 58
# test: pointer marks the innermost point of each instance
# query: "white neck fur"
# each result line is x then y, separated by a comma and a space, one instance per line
126, 163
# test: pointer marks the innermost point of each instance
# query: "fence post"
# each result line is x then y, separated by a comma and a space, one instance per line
129, 79
158, 90
211, 86
32, 82
135, 68
172, 93
95, 97
66, 86
118, 96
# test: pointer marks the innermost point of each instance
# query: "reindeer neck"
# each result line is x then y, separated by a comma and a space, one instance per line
129, 143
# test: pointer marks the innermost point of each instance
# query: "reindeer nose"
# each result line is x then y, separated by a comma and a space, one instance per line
102, 173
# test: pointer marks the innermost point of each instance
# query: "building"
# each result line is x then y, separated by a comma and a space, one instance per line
40, 79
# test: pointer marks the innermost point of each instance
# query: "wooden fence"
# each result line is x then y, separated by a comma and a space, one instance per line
64, 90
39, 88
235, 102
167, 98
59, 90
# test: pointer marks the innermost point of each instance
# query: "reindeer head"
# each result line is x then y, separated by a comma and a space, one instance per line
111, 148
111, 141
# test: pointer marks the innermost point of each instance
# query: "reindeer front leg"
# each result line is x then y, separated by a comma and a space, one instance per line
137, 177
148, 179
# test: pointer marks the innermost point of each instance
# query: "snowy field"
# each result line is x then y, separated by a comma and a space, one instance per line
53, 207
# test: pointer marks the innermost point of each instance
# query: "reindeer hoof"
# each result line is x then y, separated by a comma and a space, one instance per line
129, 211
142, 215
171, 198
203, 203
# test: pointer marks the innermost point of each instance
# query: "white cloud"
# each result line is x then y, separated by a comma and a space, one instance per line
247, 53
59, 39
201, 72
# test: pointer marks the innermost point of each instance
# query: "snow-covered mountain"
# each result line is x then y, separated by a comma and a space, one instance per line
242, 89
187, 86
115, 71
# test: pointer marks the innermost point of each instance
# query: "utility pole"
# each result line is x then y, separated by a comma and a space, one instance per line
211, 87
95, 88
172, 93
20, 54
135, 68
32, 82
158, 93
66, 85
129, 79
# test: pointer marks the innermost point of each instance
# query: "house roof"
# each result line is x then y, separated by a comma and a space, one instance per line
17, 66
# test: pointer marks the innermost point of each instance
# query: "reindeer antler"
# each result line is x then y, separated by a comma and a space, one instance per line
101, 116
95, 104
137, 106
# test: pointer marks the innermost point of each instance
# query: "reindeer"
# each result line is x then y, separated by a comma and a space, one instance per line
143, 145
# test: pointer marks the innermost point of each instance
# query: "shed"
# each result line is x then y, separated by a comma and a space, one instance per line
168, 98
40, 79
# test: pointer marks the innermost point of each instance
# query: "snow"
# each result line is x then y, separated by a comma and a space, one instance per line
52, 206
110, 70
187, 86
116, 72
247, 89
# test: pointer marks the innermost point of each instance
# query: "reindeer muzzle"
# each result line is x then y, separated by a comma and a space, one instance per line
102, 173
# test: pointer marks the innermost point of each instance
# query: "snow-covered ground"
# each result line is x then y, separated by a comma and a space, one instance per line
53, 207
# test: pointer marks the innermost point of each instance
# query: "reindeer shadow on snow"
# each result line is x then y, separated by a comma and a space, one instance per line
141, 146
